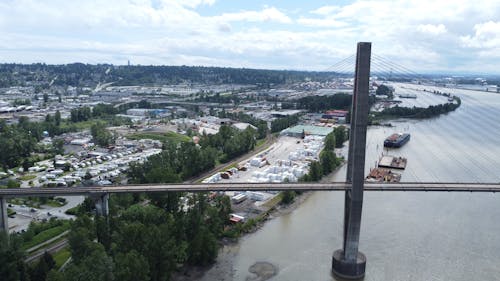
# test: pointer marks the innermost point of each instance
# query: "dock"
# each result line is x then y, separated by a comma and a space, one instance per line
392, 162
383, 175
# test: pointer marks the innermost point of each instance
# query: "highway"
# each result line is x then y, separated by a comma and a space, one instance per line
199, 187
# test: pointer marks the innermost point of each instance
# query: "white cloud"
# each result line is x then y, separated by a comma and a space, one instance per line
432, 29
326, 22
266, 15
487, 35
325, 10
178, 32
196, 3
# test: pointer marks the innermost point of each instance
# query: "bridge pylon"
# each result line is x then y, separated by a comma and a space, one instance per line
3, 215
349, 262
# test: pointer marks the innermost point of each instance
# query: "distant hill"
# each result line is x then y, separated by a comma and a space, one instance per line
80, 75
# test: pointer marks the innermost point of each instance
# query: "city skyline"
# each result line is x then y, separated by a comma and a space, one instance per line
426, 36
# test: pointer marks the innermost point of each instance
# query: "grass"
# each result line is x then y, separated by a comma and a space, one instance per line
24, 201
27, 177
39, 246
260, 142
78, 125
54, 203
45, 235
273, 202
163, 137
61, 257
36, 202
72, 211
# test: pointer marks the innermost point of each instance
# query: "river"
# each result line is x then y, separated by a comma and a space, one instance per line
404, 235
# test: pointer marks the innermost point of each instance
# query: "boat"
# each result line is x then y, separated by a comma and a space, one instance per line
396, 140
408, 96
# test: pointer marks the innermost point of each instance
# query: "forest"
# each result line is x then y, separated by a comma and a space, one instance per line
419, 112
87, 75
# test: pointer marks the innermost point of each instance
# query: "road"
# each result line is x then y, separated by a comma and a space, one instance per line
198, 187
269, 141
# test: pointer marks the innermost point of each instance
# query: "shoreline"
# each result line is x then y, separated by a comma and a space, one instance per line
222, 269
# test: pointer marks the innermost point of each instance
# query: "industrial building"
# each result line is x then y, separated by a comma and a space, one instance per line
297, 131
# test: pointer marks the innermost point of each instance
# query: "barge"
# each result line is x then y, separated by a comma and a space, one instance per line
392, 162
396, 140
383, 175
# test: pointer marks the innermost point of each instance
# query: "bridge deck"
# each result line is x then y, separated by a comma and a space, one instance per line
334, 186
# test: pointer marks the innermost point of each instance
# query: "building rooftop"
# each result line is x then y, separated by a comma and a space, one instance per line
308, 129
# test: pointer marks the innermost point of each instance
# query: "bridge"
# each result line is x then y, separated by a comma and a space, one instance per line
347, 262
215, 187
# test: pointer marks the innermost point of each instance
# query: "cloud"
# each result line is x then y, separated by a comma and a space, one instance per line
326, 22
325, 10
270, 14
196, 3
424, 34
486, 35
432, 29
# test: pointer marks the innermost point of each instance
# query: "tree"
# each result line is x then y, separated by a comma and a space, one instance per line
384, 90
131, 266
45, 97
340, 136
13, 183
315, 171
57, 118
96, 266
287, 197
330, 142
103, 232
101, 135
42, 268
12, 266
58, 146
328, 161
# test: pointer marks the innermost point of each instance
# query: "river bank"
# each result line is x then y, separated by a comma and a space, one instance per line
223, 268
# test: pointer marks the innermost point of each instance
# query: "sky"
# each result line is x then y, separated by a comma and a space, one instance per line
426, 36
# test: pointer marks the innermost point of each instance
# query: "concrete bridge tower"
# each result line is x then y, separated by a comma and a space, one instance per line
349, 262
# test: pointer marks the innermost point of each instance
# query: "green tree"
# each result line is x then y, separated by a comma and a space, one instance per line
45, 97
288, 197
131, 266
95, 266
384, 90
42, 268
340, 133
330, 141
315, 171
58, 146
57, 118
328, 161
101, 135
13, 183
12, 266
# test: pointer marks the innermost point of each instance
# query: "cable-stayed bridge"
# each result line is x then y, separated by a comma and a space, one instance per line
347, 262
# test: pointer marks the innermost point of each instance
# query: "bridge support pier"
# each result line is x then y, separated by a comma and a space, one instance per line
101, 204
4, 224
348, 262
